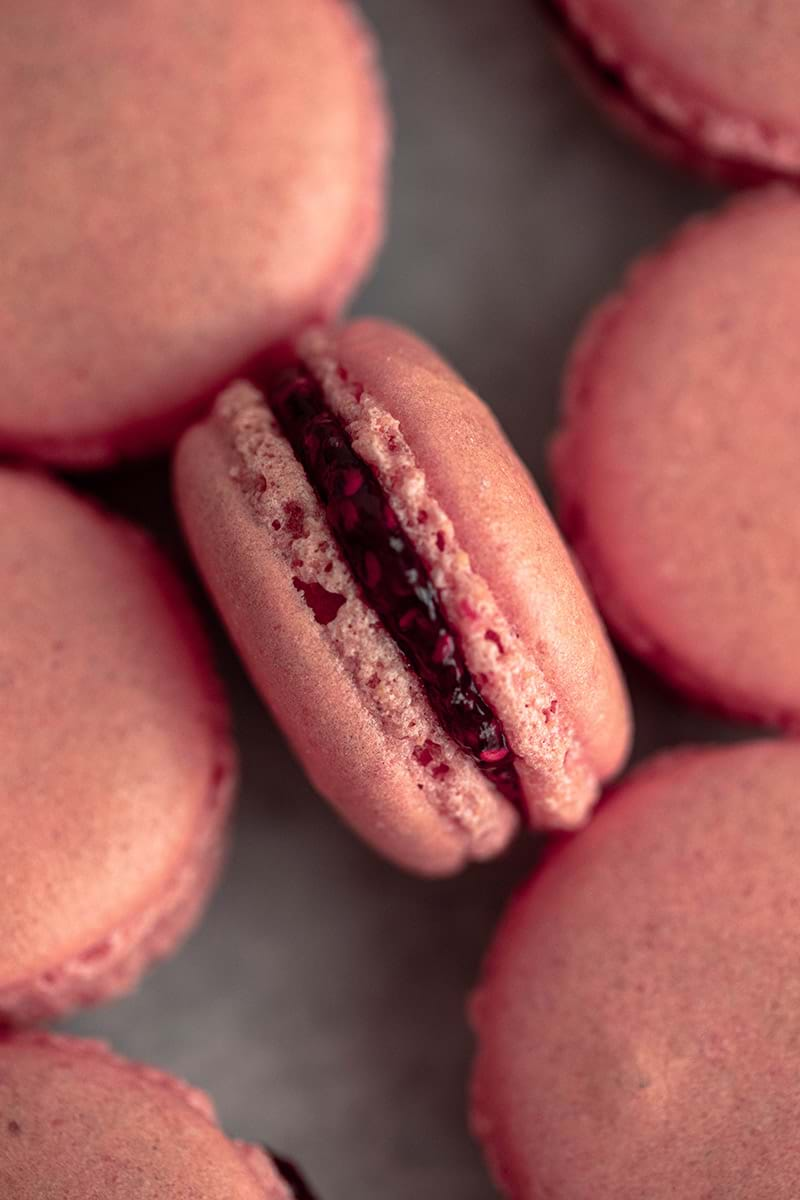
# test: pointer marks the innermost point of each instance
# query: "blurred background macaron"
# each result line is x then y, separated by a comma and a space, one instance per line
678, 458
79, 1123
711, 85
117, 767
638, 1019
181, 180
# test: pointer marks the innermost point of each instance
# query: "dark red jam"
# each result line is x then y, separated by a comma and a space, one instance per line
392, 576
292, 1177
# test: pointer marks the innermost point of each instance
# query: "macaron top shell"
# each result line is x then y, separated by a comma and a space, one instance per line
116, 770
639, 1016
722, 75
677, 463
183, 180
78, 1123
502, 524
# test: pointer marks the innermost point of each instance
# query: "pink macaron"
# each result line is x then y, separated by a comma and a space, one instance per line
639, 1015
678, 458
401, 597
712, 85
117, 768
79, 1123
182, 177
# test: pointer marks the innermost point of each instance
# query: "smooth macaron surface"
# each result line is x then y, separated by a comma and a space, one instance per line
677, 461
117, 768
716, 79
78, 1123
639, 1015
183, 180
354, 711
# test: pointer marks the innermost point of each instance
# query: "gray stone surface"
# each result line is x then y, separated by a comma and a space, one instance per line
322, 1001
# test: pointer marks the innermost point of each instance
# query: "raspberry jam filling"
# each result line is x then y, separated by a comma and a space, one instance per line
393, 578
292, 1178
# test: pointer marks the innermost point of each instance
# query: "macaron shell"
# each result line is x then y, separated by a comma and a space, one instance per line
365, 769
184, 180
77, 1123
638, 1017
722, 76
677, 459
501, 523
117, 770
